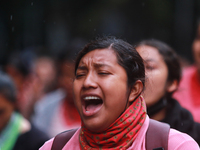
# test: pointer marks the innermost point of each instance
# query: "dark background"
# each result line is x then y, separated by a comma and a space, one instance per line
49, 26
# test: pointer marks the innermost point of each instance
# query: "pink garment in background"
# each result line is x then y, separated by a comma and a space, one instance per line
177, 141
188, 93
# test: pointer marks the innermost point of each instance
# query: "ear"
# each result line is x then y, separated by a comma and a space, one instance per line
136, 90
172, 86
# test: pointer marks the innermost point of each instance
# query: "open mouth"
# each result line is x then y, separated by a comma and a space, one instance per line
92, 104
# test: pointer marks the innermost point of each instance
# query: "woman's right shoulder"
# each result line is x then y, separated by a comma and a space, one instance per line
47, 145
181, 141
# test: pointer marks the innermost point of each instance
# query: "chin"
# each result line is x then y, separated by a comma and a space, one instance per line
95, 126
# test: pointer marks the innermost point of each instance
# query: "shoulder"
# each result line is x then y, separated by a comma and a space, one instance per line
47, 145
181, 141
35, 132
30, 138
183, 113
71, 143
189, 70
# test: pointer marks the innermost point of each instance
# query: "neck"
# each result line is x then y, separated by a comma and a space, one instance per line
160, 115
158, 110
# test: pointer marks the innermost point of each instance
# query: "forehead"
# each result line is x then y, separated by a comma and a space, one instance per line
149, 53
99, 56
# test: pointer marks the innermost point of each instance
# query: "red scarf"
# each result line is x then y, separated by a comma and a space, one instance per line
120, 134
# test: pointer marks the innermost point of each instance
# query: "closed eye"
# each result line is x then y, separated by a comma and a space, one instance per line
79, 75
104, 73
149, 68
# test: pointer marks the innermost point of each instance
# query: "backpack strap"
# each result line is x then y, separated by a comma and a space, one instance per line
62, 138
157, 135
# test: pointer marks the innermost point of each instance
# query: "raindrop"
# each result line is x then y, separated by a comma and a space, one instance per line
90, 20
11, 17
44, 21
31, 3
13, 28
95, 29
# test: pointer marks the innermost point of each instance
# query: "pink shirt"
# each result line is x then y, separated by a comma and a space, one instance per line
177, 141
188, 93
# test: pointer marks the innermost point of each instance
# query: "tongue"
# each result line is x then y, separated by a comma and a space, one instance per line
93, 107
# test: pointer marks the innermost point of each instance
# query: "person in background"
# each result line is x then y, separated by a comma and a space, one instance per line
109, 80
20, 68
16, 132
163, 73
55, 112
188, 93
65, 63
46, 75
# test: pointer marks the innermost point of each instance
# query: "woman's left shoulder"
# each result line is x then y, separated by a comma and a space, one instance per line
181, 141
47, 145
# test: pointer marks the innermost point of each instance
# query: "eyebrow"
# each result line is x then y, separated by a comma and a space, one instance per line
81, 67
149, 60
99, 65
96, 65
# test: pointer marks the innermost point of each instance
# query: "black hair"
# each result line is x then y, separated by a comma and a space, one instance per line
170, 57
127, 56
7, 87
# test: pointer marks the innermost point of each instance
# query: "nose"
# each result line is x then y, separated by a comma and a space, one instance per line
90, 81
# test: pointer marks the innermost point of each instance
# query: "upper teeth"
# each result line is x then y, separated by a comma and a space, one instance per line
91, 97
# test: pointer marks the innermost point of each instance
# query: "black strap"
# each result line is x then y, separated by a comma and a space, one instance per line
61, 139
156, 137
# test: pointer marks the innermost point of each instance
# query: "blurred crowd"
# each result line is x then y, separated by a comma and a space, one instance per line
41, 87
36, 98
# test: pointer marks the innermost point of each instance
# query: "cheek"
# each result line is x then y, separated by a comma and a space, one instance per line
196, 51
115, 93
114, 87
196, 46
114, 104
157, 78
155, 87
